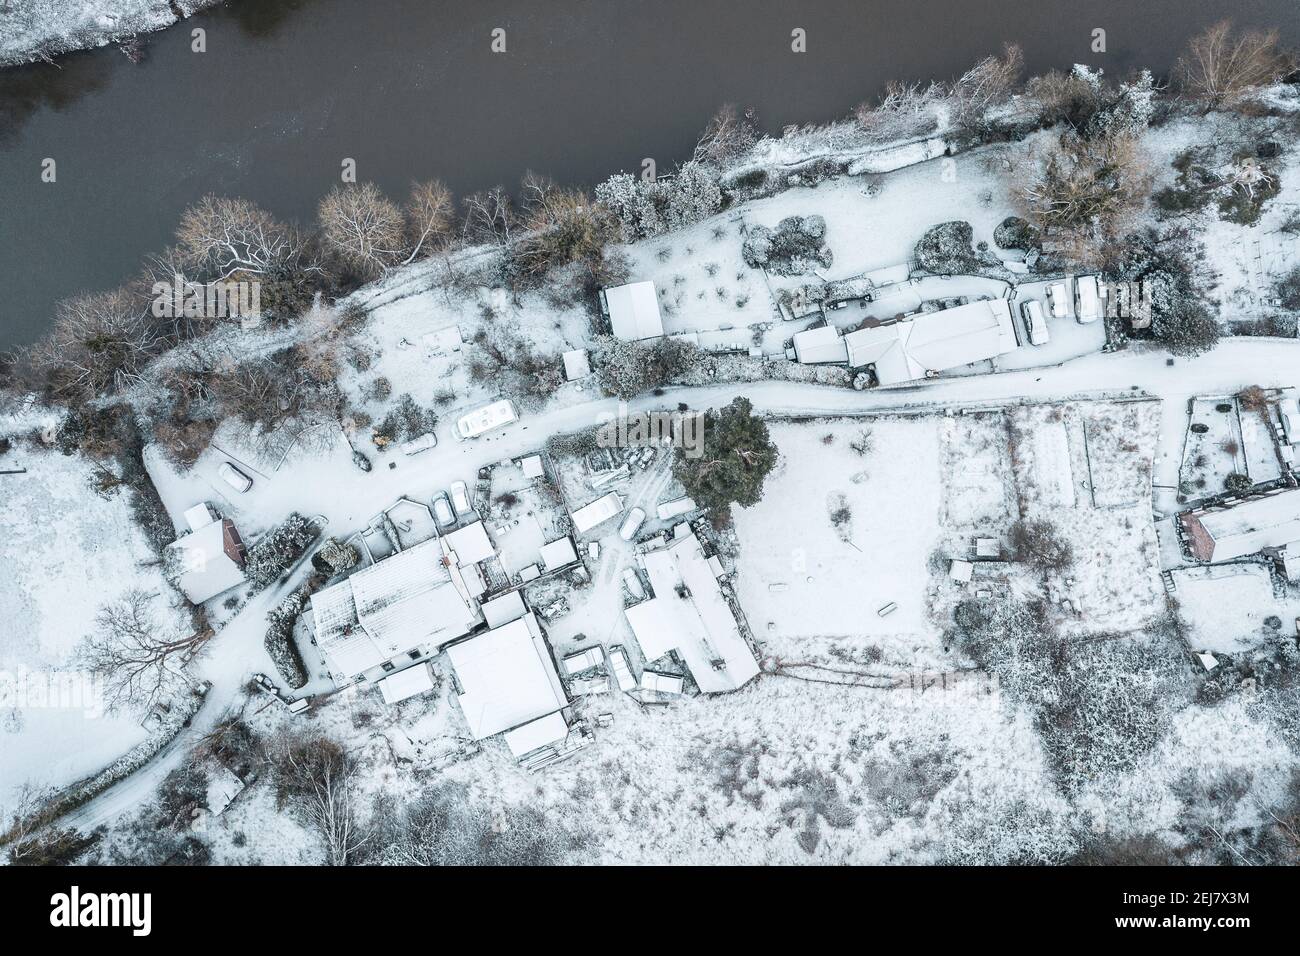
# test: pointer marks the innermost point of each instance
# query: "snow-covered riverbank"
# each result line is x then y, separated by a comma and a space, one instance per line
33, 30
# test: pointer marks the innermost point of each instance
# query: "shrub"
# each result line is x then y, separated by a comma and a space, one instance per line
794, 247
1238, 482
1288, 290
1040, 544
1015, 233
627, 369
276, 551
946, 248
404, 422
279, 641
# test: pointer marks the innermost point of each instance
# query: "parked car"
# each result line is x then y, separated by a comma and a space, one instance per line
1089, 299
632, 581
632, 524
442, 510
460, 498
421, 443
1035, 322
234, 477
621, 668
1058, 294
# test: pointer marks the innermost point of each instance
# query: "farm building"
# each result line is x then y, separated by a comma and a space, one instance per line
633, 311
930, 342
690, 614
506, 682
1243, 528
209, 560
406, 602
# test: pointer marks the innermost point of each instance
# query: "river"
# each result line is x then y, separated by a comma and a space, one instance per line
411, 89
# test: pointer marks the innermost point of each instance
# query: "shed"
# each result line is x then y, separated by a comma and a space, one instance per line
961, 571
532, 466
633, 311
577, 365
558, 554
504, 609
546, 730
597, 513
469, 544
406, 684
820, 345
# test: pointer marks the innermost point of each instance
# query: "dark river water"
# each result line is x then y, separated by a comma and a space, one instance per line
410, 89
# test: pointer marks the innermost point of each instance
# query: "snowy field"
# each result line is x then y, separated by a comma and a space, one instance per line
66, 554
35, 27
803, 575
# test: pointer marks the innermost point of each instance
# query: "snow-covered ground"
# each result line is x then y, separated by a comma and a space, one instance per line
38, 29
66, 553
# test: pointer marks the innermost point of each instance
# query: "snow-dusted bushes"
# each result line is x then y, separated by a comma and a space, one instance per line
279, 637
277, 550
627, 369
645, 208
796, 246
946, 248
1099, 705
405, 421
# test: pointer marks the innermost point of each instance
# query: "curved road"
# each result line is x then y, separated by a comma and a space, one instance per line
1234, 364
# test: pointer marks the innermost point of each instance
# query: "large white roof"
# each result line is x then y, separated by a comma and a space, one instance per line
557, 554
504, 609
507, 678
1254, 525
700, 626
396, 605
634, 311
934, 341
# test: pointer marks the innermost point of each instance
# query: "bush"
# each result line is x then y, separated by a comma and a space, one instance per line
1288, 290
279, 641
1238, 482
946, 248
627, 369
794, 247
1015, 233
1040, 544
405, 422
275, 552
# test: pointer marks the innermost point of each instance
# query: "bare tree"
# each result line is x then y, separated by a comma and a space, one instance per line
729, 135
429, 214
98, 343
490, 218
560, 226
903, 111
987, 84
233, 238
1219, 65
139, 661
1083, 193
317, 776
363, 228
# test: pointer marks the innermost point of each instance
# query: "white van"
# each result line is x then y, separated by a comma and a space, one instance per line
1058, 294
632, 524
481, 420
1089, 299
1035, 321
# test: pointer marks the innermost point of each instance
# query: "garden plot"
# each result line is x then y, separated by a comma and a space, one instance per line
1213, 448
843, 532
66, 553
1225, 607
1103, 451
978, 491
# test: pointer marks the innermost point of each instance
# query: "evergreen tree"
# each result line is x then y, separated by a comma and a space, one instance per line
737, 456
